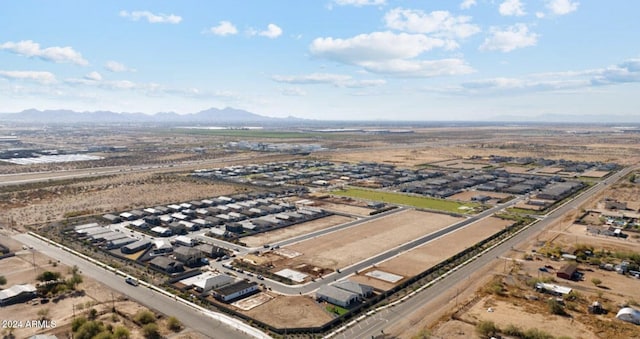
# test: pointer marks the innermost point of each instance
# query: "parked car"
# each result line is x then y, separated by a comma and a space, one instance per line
131, 281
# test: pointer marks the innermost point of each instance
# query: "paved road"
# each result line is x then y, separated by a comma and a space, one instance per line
373, 327
190, 317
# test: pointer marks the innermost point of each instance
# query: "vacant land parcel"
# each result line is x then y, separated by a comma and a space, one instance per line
419, 259
401, 199
292, 231
349, 246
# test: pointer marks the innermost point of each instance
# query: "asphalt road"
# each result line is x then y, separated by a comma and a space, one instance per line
190, 317
374, 325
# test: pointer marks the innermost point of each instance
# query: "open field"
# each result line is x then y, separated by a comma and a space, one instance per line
419, 259
292, 231
48, 202
346, 247
517, 169
407, 200
460, 164
286, 311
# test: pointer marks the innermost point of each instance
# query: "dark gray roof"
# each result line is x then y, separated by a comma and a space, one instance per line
233, 288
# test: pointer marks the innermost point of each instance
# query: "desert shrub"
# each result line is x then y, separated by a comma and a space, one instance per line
487, 329
151, 331
121, 332
144, 317
174, 324
555, 307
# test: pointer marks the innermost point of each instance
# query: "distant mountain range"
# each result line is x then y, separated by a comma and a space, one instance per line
211, 115
232, 116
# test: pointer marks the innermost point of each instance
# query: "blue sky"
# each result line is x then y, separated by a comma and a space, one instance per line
330, 59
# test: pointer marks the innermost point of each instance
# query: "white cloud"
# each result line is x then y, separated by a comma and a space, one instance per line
293, 92
562, 7
56, 54
360, 3
419, 68
539, 15
338, 80
622, 73
272, 32
41, 77
151, 17
466, 4
374, 46
224, 28
116, 67
389, 53
438, 23
95, 76
512, 8
513, 37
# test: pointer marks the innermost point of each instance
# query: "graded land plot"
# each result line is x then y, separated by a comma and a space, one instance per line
252, 302
595, 174
467, 195
403, 157
290, 312
421, 258
343, 208
550, 170
292, 231
349, 246
409, 200
517, 169
460, 164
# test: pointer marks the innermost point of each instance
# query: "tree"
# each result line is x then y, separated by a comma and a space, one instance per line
48, 276
174, 324
151, 331
596, 281
3, 280
93, 314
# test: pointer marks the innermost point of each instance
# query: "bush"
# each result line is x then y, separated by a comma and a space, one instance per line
3, 280
151, 331
77, 322
596, 281
555, 307
487, 329
121, 332
144, 317
174, 324
89, 330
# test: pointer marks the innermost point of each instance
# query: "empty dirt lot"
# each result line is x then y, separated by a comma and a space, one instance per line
419, 259
292, 231
349, 246
290, 312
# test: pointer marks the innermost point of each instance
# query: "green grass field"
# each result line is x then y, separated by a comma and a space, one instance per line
407, 200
